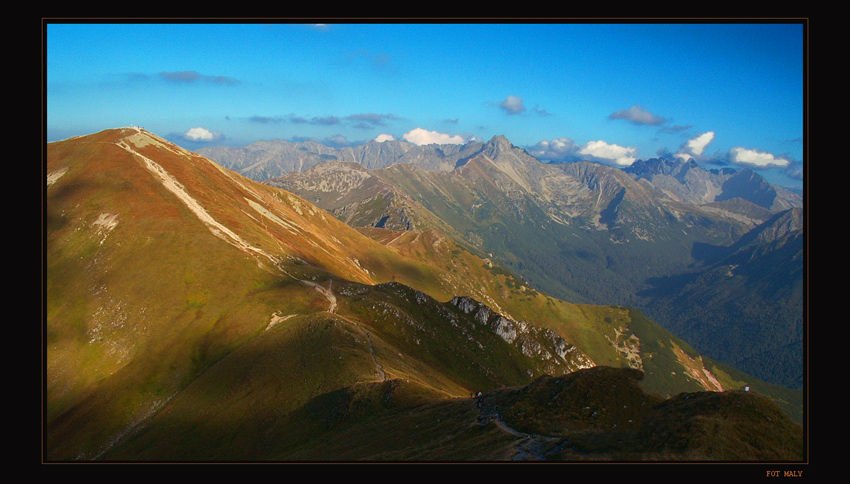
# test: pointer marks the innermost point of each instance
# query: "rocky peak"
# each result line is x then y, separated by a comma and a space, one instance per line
748, 185
501, 145
661, 166
500, 141
533, 341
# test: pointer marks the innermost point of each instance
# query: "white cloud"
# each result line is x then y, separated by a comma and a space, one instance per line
755, 158
561, 145
420, 136
556, 149
512, 105
201, 134
694, 147
619, 155
384, 137
697, 145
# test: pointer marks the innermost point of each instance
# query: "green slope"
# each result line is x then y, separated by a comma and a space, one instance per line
583, 232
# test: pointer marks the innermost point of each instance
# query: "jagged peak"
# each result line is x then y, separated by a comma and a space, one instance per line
496, 145
500, 140
661, 166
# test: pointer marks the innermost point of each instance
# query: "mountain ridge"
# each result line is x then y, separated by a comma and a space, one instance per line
194, 314
444, 157
601, 234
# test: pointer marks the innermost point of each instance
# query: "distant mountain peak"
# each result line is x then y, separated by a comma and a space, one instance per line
749, 185
661, 166
500, 140
496, 145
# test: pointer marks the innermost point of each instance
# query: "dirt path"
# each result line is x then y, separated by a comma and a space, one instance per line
531, 447
378, 367
327, 292
375, 360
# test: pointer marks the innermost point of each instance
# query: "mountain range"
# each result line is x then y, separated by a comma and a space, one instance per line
193, 314
584, 232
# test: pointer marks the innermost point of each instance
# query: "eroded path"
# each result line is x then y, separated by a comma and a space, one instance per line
530, 447
324, 291
217, 228
375, 360
172, 185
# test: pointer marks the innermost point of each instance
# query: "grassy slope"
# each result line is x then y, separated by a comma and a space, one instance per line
604, 333
158, 318
281, 392
130, 321
472, 207
135, 314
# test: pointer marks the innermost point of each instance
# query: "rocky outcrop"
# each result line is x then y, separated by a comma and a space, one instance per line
531, 340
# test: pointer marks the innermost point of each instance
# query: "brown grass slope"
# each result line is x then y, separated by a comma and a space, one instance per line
147, 286
160, 264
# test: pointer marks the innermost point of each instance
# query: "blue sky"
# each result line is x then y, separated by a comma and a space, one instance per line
725, 93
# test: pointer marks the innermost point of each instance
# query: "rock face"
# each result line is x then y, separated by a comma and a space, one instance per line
688, 182
531, 340
679, 180
264, 160
354, 195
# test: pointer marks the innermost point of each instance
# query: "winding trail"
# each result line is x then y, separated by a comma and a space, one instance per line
531, 447
378, 367
170, 183
327, 292
375, 360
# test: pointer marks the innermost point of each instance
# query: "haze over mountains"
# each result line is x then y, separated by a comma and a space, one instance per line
664, 235
193, 314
